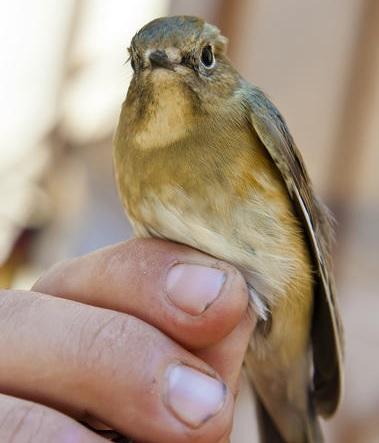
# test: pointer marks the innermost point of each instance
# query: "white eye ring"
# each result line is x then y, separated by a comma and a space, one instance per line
207, 57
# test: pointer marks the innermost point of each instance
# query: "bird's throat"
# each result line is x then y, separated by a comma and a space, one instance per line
168, 116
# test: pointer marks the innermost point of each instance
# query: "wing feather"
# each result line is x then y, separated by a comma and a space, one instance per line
327, 335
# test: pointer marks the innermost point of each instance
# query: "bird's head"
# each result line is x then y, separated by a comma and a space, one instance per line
183, 52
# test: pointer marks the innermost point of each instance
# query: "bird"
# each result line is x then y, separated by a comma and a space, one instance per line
202, 157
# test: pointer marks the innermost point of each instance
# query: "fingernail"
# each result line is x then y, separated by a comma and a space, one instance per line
193, 396
193, 287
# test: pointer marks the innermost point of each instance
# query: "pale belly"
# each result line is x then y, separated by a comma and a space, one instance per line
239, 234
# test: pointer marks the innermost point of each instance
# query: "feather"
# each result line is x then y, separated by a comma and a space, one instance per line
327, 336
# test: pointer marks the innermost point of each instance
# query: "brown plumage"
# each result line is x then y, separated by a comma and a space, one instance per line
204, 158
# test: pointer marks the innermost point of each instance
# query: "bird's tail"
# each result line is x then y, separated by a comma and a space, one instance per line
267, 429
286, 411
269, 432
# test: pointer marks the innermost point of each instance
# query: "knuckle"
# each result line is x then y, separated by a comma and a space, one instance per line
9, 304
14, 305
21, 422
100, 338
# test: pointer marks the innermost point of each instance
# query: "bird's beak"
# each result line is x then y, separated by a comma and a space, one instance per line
159, 59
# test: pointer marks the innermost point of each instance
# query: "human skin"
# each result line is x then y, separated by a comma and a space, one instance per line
147, 336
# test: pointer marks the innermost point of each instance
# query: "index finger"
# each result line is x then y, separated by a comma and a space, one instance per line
195, 299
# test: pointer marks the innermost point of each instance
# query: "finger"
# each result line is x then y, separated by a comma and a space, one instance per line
112, 366
194, 298
22, 421
227, 356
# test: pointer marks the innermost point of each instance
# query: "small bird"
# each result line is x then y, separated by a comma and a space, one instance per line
203, 158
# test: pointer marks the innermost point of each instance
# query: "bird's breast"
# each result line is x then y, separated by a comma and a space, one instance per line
243, 230
217, 191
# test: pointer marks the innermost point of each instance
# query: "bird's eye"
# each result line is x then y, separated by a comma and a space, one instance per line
207, 57
133, 64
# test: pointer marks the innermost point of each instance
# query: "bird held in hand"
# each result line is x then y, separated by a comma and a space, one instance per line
202, 157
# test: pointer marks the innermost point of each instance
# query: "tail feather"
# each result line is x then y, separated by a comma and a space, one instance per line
313, 427
269, 433
267, 429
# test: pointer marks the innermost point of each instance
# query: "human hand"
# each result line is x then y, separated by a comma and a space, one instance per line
140, 336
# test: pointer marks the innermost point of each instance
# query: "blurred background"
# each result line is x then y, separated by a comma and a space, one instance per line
63, 79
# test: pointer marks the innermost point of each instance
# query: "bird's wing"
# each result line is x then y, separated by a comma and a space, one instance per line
327, 335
